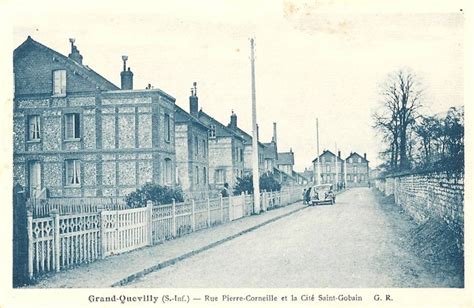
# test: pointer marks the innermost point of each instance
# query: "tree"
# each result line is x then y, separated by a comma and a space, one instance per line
267, 183
396, 116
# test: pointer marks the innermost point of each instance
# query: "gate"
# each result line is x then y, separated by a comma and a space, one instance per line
20, 237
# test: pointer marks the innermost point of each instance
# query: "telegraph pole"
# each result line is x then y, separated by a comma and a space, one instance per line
318, 166
255, 162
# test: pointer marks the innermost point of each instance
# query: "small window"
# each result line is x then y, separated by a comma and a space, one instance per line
212, 131
73, 126
204, 175
196, 146
59, 82
204, 149
33, 127
360, 160
167, 128
241, 155
73, 172
197, 175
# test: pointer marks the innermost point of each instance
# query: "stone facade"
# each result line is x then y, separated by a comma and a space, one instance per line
328, 167
120, 139
192, 152
357, 168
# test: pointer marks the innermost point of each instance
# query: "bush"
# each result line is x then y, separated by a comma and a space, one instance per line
267, 183
156, 193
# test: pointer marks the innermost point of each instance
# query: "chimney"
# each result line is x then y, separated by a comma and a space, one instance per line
126, 76
75, 54
193, 101
275, 132
365, 156
233, 120
339, 154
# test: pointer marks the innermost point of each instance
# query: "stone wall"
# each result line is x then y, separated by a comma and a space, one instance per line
436, 197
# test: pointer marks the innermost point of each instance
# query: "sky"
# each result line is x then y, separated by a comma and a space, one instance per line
314, 59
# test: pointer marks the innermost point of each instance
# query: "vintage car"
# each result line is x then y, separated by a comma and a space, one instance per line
322, 194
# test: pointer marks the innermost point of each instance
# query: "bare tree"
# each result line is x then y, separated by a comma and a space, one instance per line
400, 101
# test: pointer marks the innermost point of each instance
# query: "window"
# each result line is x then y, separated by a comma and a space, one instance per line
204, 148
167, 128
73, 172
59, 82
350, 160
360, 160
33, 127
204, 175
73, 126
212, 131
220, 176
196, 146
241, 155
328, 168
168, 179
197, 175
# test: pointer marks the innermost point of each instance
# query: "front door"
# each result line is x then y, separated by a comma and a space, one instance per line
35, 179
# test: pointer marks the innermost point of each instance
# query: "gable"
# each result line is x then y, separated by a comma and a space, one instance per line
33, 66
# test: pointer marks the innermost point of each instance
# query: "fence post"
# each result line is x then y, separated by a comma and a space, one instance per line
243, 204
29, 216
193, 215
231, 209
103, 244
264, 204
56, 239
173, 213
208, 212
149, 209
222, 209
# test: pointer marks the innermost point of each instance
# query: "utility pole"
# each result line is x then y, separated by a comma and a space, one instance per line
255, 162
318, 166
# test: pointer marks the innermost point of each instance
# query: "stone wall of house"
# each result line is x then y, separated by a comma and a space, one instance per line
436, 196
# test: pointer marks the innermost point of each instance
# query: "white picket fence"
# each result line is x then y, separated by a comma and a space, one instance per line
60, 241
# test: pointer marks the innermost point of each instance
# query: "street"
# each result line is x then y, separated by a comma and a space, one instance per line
357, 243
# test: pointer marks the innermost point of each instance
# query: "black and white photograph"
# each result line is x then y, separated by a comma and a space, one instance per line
213, 153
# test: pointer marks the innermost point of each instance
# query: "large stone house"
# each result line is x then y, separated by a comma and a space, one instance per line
192, 150
357, 168
76, 134
247, 142
225, 149
327, 167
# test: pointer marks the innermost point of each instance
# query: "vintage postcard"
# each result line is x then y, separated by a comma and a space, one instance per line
221, 153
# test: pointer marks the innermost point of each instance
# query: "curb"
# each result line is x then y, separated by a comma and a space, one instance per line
172, 261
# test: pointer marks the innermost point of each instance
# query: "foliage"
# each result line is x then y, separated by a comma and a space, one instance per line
156, 193
267, 182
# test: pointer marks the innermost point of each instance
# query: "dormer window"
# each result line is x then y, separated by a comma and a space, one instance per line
212, 131
59, 82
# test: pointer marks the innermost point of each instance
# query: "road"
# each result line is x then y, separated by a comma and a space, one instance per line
359, 242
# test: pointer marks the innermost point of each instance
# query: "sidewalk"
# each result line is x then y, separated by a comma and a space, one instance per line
118, 270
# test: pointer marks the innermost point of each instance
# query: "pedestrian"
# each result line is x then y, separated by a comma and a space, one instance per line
307, 195
225, 190
304, 196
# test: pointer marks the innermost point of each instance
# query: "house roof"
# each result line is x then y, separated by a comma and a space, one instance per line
270, 150
357, 155
221, 129
327, 153
247, 138
81, 69
181, 116
286, 158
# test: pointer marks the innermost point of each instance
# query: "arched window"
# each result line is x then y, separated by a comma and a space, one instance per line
168, 178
